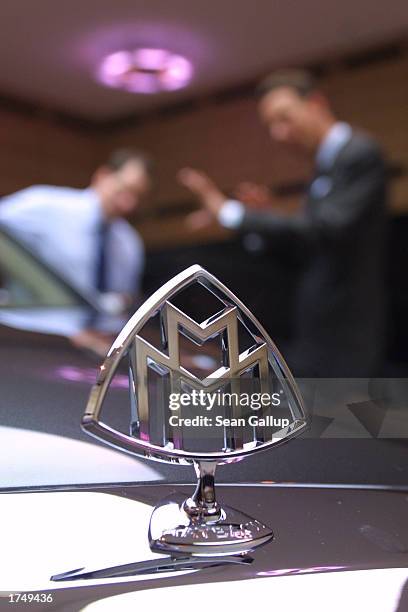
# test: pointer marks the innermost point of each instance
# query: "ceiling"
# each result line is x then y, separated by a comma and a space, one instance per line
51, 49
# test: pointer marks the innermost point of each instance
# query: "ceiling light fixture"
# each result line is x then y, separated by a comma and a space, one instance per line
145, 71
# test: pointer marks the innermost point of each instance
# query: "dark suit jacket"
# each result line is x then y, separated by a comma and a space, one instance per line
339, 323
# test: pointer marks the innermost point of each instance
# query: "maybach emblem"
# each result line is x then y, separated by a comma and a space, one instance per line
161, 419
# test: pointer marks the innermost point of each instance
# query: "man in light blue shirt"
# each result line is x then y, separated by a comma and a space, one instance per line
82, 233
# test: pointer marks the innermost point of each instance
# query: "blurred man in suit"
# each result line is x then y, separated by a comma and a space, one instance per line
339, 320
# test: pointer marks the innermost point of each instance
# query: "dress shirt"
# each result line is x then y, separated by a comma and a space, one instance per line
62, 225
338, 135
232, 212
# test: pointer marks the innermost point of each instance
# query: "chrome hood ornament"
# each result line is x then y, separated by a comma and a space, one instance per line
187, 407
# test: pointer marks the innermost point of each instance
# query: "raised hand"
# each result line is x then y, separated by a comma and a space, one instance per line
207, 192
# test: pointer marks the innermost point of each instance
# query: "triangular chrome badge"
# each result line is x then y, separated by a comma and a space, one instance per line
188, 416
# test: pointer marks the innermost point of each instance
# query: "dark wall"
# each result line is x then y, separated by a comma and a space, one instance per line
265, 281
397, 284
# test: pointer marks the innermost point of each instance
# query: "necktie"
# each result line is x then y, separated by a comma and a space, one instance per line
101, 258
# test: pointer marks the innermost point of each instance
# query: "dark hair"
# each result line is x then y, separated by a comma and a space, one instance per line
120, 157
302, 81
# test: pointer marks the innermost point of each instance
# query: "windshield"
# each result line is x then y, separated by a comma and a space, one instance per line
27, 283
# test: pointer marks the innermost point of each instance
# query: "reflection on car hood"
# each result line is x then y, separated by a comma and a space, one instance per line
57, 460
374, 590
60, 321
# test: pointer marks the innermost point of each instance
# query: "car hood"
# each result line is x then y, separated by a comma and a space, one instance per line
332, 545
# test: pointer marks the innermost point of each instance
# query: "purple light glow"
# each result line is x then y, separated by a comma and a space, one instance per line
145, 71
87, 376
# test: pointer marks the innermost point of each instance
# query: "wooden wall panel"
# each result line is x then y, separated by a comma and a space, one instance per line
36, 150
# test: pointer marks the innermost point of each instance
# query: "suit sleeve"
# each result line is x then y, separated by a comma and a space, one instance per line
357, 186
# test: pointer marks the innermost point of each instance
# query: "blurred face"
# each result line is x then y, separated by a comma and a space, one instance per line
292, 119
121, 190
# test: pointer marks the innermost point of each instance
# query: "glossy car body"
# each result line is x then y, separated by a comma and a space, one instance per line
335, 546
